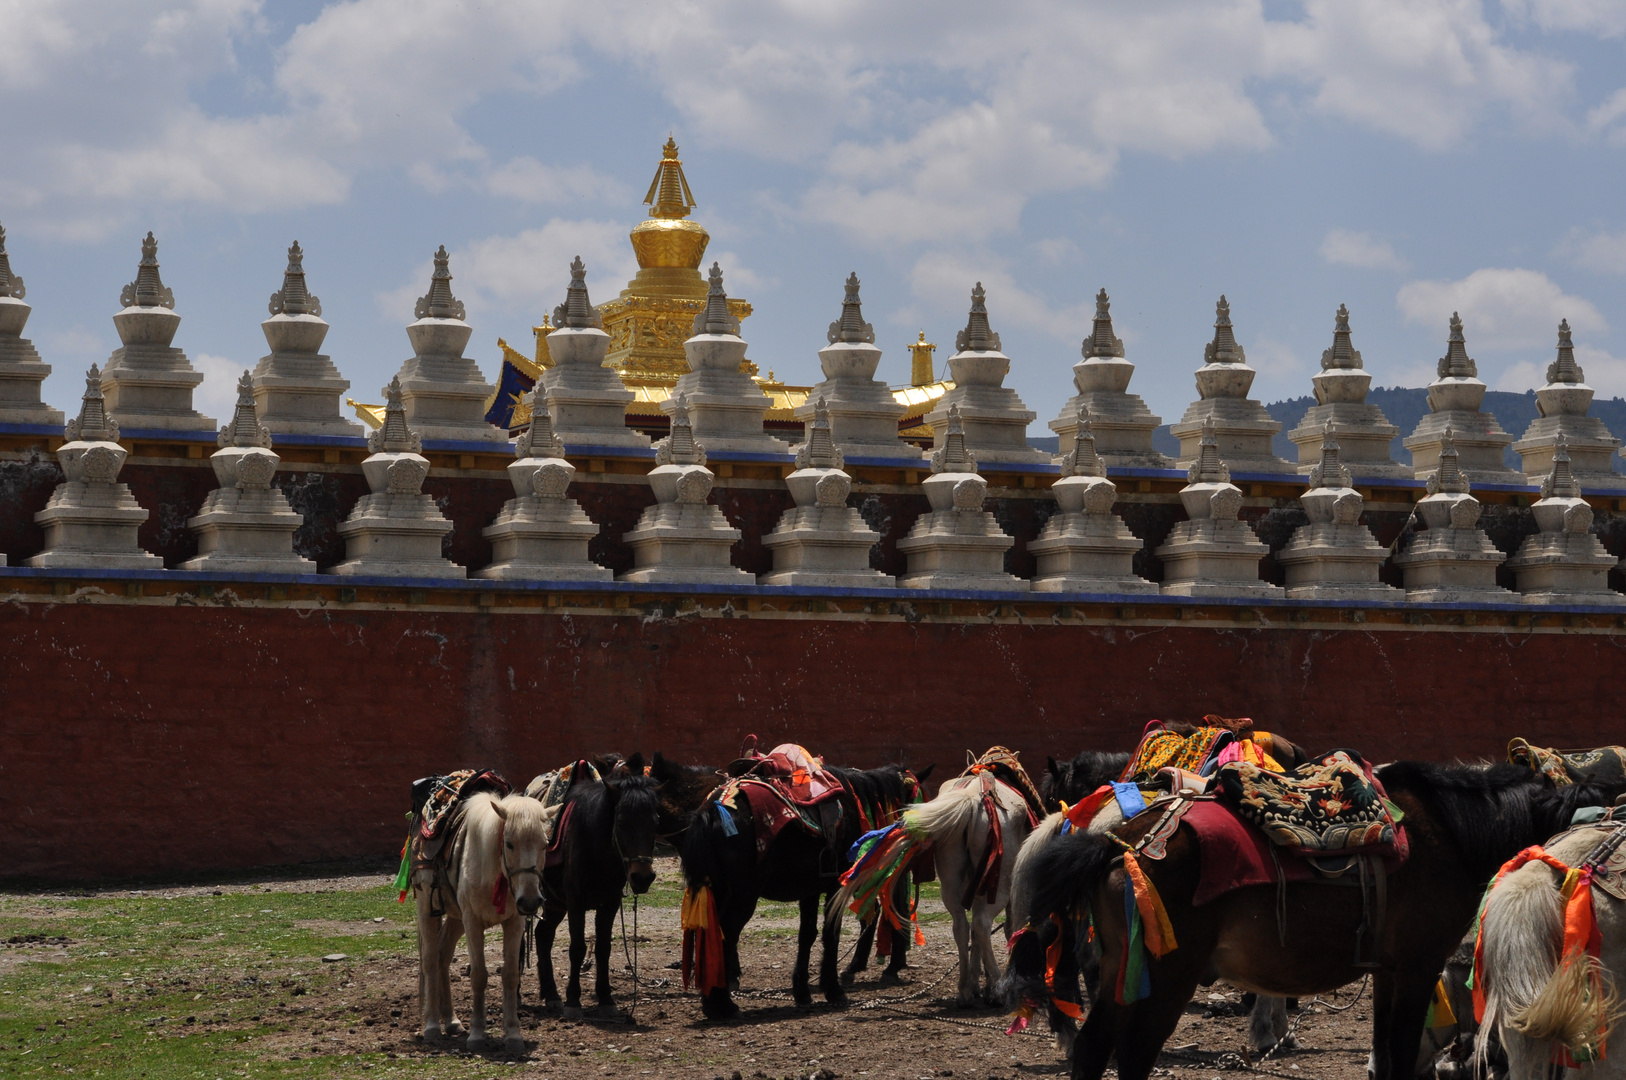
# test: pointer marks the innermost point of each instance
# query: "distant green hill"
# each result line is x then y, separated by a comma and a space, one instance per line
1405, 408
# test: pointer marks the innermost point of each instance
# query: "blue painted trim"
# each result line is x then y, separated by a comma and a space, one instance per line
347, 442
31, 429
209, 435
581, 450
467, 446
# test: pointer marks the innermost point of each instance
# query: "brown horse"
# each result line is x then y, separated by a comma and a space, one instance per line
1462, 822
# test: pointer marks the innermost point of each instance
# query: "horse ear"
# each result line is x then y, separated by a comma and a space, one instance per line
658, 766
1050, 764
635, 764
496, 805
920, 776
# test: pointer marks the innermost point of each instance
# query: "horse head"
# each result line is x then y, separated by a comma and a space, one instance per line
683, 791
635, 799
527, 828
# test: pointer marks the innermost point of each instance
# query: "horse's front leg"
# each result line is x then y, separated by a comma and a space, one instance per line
429, 980
513, 930
477, 983
806, 931
578, 953
1407, 1012
830, 959
603, 946
1148, 1024
547, 927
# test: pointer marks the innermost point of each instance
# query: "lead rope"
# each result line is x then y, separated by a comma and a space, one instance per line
632, 956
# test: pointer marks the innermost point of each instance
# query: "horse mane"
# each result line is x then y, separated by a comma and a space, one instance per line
1489, 811
875, 787
1074, 779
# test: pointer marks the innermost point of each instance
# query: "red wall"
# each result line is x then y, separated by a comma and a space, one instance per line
145, 739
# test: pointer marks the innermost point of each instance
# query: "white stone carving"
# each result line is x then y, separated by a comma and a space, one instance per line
1334, 557
587, 400
682, 539
146, 383
298, 390
1084, 547
1213, 553
1451, 560
443, 391
91, 519
21, 369
957, 544
1563, 563
1563, 405
1455, 397
993, 420
396, 531
863, 413
541, 534
822, 541
725, 405
246, 524
1364, 433
1241, 425
1121, 423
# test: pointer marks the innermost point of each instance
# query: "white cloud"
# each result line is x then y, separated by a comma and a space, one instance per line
1605, 120
1606, 18
1501, 309
944, 279
1342, 247
216, 395
1603, 252
1604, 373
529, 180
1273, 359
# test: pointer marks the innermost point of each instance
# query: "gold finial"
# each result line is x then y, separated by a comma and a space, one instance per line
920, 367
669, 195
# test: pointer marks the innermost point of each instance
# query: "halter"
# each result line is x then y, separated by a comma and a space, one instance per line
506, 882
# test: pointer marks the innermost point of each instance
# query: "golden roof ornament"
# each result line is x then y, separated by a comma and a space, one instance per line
1223, 349
920, 362
1102, 341
851, 327
147, 290
293, 298
10, 284
669, 195
438, 302
577, 312
1456, 363
714, 318
977, 337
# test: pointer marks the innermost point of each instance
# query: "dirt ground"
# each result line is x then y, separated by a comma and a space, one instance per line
360, 1011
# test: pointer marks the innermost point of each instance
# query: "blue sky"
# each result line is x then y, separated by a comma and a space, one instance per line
1406, 157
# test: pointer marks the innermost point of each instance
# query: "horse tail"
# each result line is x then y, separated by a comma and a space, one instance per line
1535, 996
1021, 886
1064, 874
698, 855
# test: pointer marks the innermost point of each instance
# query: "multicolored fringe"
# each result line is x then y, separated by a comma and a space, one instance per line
1582, 939
702, 941
1440, 1013
403, 876
878, 857
1149, 930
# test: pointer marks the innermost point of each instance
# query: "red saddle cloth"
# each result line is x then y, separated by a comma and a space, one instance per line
802, 777
1235, 855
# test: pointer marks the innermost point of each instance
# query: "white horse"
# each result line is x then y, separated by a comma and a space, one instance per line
1536, 1002
955, 828
490, 873
1267, 1024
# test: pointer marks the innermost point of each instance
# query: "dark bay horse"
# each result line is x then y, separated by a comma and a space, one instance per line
683, 790
797, 867
606, 842
1069, 781
1462, 823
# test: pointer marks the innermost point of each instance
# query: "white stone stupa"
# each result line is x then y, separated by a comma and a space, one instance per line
993, 419
1213, 553
821, 540
863, 413
245, 524
1084, 547
1455, 397
1334, 557
147, 384
21, 369
1242, 426
92, 519
397, 530
1562, 405
1563, 563
298, 390
957, 544
682, 539
587, 400
1364, 433
1120, 421
443, 391
726, 406
1451, 560
541, 533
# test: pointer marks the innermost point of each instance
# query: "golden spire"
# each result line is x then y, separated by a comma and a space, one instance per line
920, 368
669, 195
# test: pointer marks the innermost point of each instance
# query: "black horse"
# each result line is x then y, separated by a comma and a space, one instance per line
683, 791
796, 867
1303, 938
1069, 781
606, 841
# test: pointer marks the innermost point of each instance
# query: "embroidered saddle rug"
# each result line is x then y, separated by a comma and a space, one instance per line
1331, 806
550, 788
434, 797
803, 776
1604, 765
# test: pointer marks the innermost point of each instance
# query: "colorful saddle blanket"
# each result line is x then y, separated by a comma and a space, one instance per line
434, 797
803, 776
551, 788
1331, 806
1604, 765
770, 806
1160, 748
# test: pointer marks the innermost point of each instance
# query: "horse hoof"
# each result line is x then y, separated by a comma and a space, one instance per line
835, 995
454, 1029
477, 1041
889, 977
572, 1012
848, 978
719, 1010
554, 1005
513, 1044
609, 1012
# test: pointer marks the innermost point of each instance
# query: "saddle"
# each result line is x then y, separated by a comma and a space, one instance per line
433, 797
550, 788
1334, 806
1002, 765
802, 776
1604, 764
